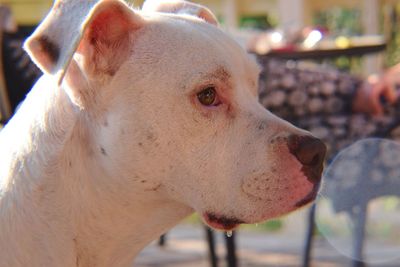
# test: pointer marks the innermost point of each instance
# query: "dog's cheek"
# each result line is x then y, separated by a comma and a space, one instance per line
141, 153
191, 180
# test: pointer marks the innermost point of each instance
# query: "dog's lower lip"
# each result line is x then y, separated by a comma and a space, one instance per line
221, 222
309, 198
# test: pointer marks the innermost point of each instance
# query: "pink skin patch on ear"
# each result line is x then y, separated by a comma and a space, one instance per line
109, 25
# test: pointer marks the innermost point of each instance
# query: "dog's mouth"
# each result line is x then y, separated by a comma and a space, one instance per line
220, 222
309, 198
229, 223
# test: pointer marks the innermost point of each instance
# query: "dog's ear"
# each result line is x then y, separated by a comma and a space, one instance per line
95, 29
180, 7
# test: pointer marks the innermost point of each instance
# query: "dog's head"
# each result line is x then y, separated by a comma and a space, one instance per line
173, 111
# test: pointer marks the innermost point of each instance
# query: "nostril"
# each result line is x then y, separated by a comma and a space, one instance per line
316, 160
308, 150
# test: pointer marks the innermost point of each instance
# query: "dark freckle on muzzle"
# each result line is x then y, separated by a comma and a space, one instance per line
103, 151
310, 152
262, 126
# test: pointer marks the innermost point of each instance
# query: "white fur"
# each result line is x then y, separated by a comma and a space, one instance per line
94, 169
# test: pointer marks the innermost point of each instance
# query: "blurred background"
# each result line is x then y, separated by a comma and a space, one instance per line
327, 66
336, 18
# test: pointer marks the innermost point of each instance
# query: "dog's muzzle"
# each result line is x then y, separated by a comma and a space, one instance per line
310, 152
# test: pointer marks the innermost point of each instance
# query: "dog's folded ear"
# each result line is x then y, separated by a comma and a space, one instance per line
95, 29
180, 7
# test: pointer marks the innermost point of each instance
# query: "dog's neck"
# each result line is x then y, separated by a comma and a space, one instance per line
58, 199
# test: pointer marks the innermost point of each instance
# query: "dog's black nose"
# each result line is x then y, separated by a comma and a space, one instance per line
310, 152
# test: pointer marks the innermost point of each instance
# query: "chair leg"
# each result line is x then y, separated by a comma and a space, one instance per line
309, 237
162, 240
211, 247
231, 250
357, 263
359, 221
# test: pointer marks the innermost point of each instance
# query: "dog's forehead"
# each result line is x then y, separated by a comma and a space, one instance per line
206, 46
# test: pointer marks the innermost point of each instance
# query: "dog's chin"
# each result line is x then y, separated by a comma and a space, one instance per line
221, 222
229, 223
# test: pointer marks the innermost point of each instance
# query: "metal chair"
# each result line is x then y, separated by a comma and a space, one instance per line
230, 246
351, 193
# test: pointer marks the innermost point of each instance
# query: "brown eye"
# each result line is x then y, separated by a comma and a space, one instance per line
208, 97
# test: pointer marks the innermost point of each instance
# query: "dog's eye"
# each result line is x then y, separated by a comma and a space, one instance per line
209, 97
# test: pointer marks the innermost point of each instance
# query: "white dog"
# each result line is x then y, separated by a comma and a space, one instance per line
141, 118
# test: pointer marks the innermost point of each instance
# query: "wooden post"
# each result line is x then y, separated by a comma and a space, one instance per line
370, 23
5, 107
291, 14
230, 11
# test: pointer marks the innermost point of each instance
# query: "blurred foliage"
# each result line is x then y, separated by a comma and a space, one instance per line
260, 22
193, 219
352, 64
390, 21
347, 22
272, 225
391, 203
339, 21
